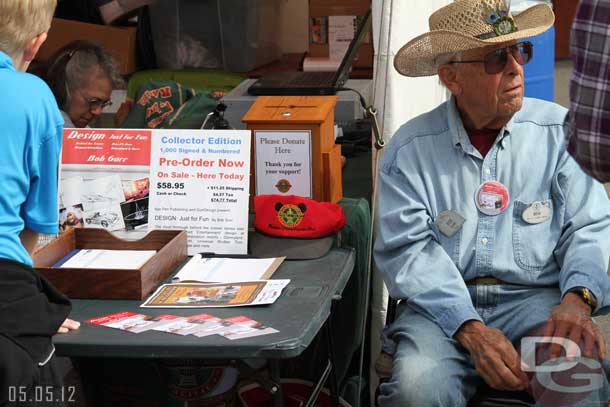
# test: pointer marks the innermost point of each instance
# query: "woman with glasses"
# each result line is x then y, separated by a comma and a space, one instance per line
82, 76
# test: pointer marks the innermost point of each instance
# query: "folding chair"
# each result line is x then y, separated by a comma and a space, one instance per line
485, 395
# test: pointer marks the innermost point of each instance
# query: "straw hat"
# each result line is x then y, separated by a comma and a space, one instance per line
469, 24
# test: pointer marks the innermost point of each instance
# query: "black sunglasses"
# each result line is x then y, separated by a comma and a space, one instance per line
496, 60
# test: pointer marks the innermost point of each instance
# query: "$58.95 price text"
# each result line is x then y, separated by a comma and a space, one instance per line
170, 185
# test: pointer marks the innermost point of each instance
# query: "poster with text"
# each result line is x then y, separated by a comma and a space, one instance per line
283, 162
200, 182
104, 179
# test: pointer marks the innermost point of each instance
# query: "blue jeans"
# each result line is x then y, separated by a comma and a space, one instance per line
431, 369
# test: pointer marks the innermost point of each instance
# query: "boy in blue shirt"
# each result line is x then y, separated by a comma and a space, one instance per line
31, 310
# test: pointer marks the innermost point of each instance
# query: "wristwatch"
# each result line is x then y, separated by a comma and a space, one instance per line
586, 295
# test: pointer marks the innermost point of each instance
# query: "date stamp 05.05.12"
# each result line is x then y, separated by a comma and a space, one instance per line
42, 395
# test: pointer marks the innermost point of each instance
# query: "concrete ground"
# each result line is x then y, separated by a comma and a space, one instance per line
563, 70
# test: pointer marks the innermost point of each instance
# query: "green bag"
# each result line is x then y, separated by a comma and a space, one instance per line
168, 105
191, 114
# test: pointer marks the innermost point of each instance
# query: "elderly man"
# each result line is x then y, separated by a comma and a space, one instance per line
488, 231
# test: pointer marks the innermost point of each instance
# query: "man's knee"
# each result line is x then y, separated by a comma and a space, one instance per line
422, 381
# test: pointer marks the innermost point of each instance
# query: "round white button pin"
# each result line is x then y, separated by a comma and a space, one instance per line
492, 198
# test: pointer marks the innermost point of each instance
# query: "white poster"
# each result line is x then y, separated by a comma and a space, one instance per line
283, 162
340, 35
200, 182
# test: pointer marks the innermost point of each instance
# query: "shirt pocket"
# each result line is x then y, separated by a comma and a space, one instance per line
533, 244
451, 244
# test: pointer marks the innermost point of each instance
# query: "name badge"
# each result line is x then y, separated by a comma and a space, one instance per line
449, 222
537, 212
492, 198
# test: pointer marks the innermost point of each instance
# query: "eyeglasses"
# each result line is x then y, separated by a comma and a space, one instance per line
496, 60
95, 103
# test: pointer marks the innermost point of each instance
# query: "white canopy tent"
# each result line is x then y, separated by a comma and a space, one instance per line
397, 100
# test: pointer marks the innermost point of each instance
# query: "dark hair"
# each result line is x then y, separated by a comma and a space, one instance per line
71, 66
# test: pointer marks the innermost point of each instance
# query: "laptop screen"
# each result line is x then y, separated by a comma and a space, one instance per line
352, 50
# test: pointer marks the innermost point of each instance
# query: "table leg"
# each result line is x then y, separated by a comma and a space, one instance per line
278, 395
334, 392
313, 397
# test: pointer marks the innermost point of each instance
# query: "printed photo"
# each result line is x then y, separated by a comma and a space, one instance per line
318, 28
135, 189
71, 190
71, 217
135, 212
110, 218
102, 192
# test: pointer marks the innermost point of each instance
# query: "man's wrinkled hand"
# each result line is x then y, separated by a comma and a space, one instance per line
67, 326
572, 320
494, 357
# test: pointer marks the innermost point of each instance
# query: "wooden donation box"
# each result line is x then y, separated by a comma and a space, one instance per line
131, 284
297, 151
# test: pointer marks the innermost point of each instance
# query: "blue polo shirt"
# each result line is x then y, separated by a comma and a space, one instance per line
30, 143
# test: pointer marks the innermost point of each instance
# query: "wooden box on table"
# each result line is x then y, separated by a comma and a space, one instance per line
298, 113
133, 284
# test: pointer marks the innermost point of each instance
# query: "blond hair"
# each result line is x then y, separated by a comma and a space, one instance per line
21, 21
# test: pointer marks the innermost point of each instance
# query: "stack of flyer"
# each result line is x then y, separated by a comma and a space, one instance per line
220, 282
105, 259
199, 325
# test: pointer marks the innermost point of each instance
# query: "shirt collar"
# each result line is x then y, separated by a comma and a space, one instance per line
459, 136
455, 122
6, 62
505, 131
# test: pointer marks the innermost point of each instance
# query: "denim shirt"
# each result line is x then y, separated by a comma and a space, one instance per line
430, 167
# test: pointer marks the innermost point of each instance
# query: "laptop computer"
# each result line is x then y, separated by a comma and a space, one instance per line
313, 83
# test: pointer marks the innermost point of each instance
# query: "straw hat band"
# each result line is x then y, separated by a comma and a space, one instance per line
469, 24
467, 16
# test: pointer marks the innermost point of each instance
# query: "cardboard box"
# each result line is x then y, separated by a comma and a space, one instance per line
117, 9
171, 247
338, 7
325, 8
120, 42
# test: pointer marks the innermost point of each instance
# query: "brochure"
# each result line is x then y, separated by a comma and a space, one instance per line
247, 328
155, 323
188, 325
233, 294
125, 321
221, 326
106, 259
199, 325
223, 269
213, 327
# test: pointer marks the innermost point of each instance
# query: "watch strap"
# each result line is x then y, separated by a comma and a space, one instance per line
587, 296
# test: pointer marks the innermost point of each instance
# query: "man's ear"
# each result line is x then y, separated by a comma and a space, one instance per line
32, 48
448, 76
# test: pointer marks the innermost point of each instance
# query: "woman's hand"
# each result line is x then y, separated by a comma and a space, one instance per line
68, 325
